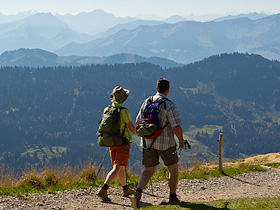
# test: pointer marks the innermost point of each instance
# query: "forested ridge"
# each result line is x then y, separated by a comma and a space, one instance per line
50, 115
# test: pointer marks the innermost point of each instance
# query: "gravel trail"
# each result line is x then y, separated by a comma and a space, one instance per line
249, 185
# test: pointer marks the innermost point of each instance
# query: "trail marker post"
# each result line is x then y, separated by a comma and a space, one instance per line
221, 139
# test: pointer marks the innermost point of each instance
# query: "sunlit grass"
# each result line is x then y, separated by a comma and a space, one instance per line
44, 152
50, 179
65, 177
273, 165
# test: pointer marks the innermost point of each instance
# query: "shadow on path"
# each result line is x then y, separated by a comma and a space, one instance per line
153, 195
240, 180
118, 204
198, 206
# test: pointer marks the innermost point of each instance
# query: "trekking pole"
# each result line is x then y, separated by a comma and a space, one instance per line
187, 143
152, 186
180, 148
99, 170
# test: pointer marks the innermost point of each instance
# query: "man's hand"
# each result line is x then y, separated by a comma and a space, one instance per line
181, 143
179, 133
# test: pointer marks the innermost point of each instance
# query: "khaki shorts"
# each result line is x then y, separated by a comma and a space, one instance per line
120, 155
151, 157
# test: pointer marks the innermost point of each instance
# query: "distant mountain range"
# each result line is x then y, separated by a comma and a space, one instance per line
41, 58
251, 16
189, 41
106, 35
93, 22
10, 18
41, 30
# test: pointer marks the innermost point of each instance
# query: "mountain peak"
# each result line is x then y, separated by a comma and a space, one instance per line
42, 18
46, 22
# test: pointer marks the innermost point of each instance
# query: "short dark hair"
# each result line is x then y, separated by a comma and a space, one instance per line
162, 85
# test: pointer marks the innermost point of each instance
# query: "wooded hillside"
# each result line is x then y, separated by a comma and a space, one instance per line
50, 115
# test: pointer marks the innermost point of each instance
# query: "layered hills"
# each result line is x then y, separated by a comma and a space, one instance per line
41, 58
188, 41
41, 30
178, 39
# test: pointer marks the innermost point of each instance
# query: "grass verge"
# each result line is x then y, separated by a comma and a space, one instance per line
59, 178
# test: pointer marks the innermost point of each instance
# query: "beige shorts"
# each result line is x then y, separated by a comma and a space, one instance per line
151, 157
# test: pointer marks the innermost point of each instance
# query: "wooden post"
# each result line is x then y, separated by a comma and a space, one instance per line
221, 152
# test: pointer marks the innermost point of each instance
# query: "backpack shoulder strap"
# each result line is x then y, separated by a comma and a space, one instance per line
120, 109
162, 100
150, 99
108, 107
159, 100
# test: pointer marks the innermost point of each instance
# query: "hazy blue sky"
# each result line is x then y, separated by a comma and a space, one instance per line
162, 8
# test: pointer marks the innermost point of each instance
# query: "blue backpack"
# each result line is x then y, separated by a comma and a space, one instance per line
150, 116
150, 126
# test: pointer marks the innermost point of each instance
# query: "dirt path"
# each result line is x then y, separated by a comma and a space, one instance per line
250, 185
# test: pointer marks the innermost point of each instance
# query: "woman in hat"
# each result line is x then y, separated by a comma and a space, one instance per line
119, 154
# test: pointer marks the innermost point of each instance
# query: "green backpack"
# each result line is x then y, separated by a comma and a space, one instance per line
109, 134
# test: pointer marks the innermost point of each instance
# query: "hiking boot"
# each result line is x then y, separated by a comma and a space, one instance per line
174, 200
128, 192
103, 195
135, 200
